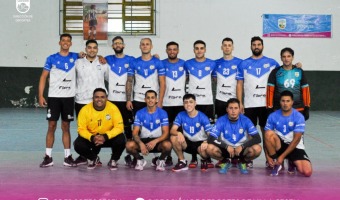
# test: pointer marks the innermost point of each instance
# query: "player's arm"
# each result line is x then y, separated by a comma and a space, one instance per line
270, 90
128, 91
162, 86
42, 84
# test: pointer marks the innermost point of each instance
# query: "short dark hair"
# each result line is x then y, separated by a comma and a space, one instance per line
99, 90
93, 6
189, 96
233, 100
256, 38
286, 93
228, 39
117, 38
91, 41
199, 42
151, 91
287, 49
172, 43
65, 35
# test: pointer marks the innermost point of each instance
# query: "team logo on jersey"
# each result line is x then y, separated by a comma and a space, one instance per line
240, 131
219, 66
290, 123
207, 68
23, 6
158, 121
249, 67
108, 117
233, 67
58, 62
152, 66
180, 68
281, 23
71, 60
266, 65
198, 124
226, 132
99, 67
297, 74
126, 65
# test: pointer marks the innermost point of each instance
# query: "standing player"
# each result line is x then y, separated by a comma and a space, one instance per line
92, 17
234, 136
252, 76
288, 77
193, 138
147, 73
225, 73
199, 71
119, 64
61, 71
150, 133
284, 138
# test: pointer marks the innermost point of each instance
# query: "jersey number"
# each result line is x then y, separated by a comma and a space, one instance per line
289, 83
226, 71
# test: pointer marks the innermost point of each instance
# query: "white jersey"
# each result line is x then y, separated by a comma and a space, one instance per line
62, 81
146, 75
255, 73
175, 77
118, 76
200, 80
225, 72
89, 76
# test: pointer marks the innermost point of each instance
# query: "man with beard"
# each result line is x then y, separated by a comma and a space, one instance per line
118, 68
252, 76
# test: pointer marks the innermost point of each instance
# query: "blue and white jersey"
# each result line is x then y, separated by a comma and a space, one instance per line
255, 73
62, 81
286, 126
175, 76
194, 128
118, 76
233, 133
146, 76
225, 72
89, 76
151, 123
200, 80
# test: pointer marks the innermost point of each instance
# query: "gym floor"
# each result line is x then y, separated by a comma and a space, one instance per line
22, 148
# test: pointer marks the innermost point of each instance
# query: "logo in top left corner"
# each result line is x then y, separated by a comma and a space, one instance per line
23, 6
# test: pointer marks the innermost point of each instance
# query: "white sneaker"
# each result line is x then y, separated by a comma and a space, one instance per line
140, 165
113, 165
160, 165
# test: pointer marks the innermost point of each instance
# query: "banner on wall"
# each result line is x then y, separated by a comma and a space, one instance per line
95, 19
297, 26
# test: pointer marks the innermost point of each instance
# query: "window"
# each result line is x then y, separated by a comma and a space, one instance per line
126, 17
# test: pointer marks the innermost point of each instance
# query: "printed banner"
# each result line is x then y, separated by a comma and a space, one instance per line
95, 19
297, 26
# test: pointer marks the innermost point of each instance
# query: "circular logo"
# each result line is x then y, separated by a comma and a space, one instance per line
23, 7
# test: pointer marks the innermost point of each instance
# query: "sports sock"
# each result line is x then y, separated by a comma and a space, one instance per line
49, 152
67, 152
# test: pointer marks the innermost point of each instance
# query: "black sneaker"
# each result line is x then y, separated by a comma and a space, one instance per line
204, 165
93, 163
168, 161
81, 160
113, 165
180, 166
69, 162
154, 161
47, 162
127, 160
250, 164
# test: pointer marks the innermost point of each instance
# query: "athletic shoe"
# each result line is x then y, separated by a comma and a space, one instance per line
47, 162
160, 165
69, 162
276, 169
210, 163
225, 167
250, 164
204, 165
168, 161
113, 165
127, 160
154, 161
140, 165
93, 163
180, 166
243, 168
193, 164
80, 160
133, 163
291, 167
